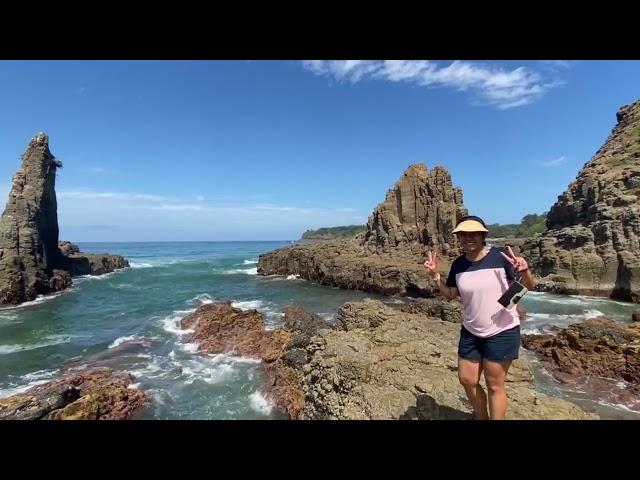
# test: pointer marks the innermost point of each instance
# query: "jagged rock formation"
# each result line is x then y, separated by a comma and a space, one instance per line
595, 350
31, 261
418, 215
94, 394
221, 328
593, 242
420, 210
283, 379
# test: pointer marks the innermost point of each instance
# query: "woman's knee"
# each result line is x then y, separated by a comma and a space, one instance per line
495, 374
468, 380
495, 385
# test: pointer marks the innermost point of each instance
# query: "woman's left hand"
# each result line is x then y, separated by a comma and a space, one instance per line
519, 263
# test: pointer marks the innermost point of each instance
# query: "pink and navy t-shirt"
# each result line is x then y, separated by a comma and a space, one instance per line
480, 285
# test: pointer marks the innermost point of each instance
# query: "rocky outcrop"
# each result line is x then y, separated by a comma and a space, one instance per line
594, 348
78, 263
592, 245
351, 266
449, 311
283, 379
420, 211
376, 363
94, 394
31, 261
452, 311
389, 364
418, 215
220, 328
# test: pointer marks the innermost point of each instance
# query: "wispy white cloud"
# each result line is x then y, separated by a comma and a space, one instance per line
554, 162
200, 198
495, 86
87, 194
557, 63
146, 215
98, 171
177, 207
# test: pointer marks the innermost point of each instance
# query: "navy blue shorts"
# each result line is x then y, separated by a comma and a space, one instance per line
498, 348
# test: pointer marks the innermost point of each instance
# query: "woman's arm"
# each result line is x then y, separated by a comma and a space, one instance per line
447, 292
431, 264
527, 280
521, 266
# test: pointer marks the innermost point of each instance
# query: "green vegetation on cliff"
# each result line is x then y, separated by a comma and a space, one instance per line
329, 233
528, 226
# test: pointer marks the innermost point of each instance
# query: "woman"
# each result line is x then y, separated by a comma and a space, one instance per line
490, 334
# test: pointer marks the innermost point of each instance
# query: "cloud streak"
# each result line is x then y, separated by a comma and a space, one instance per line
556, 162
150, 216
492, 85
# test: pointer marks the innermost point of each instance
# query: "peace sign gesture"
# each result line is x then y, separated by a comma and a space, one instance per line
432, 264
519, 263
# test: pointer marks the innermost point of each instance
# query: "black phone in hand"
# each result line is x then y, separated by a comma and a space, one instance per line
512, 296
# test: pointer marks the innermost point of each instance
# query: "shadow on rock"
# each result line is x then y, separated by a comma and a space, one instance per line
427, 408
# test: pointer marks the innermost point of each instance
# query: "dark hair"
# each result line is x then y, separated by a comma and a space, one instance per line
471, 217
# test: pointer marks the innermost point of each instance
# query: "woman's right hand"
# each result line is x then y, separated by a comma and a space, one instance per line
432, 265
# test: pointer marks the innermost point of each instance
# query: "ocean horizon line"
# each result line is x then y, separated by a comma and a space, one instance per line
181, 241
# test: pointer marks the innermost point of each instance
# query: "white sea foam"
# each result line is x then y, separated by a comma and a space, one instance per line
592, 313
591, 299
259, 403
7, 318
38, 300
83, 278
34, 378
170, 323
202, 368
121, 340
188, 347
531, 331
50, 340
126, 286
564, 317
251, 261
223, 357
140, 265
618, 406
326, 316
293, 277
246, 271
153, 369
397, 301
201, 299
248, 305
8, 392
212, 369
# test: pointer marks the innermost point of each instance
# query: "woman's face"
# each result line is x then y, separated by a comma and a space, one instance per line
470, 241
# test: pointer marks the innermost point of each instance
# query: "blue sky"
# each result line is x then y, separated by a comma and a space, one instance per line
263, 150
